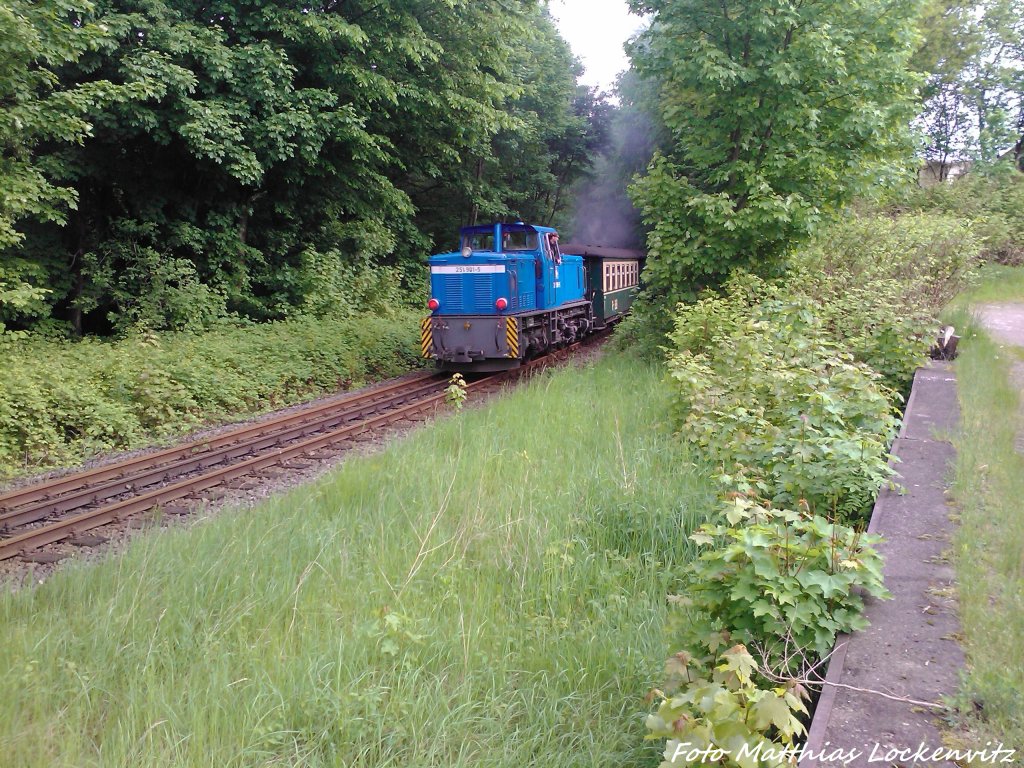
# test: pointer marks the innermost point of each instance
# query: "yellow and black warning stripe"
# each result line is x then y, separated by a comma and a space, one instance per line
512, 336
426, 337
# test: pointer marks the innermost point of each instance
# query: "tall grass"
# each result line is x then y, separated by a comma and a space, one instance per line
995, 283
488, 592
989, 485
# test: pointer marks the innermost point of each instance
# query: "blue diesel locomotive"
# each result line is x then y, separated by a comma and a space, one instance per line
511, 292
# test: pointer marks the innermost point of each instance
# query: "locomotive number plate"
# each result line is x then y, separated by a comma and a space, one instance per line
469, 269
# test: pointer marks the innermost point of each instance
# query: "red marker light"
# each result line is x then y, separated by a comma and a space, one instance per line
501, 304
434, 305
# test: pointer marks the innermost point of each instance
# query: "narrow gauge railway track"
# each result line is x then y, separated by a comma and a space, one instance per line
62, 508
110, 493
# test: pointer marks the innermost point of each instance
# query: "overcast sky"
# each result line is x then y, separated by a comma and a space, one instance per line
596, 30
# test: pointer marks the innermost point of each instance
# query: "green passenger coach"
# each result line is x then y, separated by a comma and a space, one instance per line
613, 279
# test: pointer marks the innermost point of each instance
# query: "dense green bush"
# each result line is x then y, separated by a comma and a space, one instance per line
791, 389
992, 200
776, 405
783, 576
781, 582
723, 715
879, 284
62, 401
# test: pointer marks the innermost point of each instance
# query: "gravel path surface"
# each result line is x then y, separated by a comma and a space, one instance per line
1005, 322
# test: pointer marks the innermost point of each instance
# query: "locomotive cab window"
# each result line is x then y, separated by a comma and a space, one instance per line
519, 241
479, 241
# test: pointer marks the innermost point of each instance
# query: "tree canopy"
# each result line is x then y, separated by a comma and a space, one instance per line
776, 112
973, 57
167, 162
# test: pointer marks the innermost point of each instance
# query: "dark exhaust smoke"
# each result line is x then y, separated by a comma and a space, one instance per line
604, 215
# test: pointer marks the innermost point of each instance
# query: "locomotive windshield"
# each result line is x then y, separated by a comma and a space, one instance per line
479, 241
511, 240
519, 240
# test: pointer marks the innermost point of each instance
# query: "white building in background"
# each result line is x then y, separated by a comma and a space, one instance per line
936, 171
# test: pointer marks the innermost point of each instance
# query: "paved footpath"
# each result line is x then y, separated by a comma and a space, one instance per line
1005, 324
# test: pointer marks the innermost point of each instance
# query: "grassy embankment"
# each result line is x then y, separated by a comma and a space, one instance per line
488, 592
62, 402
989, 483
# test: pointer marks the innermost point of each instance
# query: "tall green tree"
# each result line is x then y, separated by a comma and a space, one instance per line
36, 109
554, 130
950, 38
973, 58
778, 112
995, 78
278, 146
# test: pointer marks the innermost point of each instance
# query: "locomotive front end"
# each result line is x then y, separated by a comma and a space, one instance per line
507, 295
474, 297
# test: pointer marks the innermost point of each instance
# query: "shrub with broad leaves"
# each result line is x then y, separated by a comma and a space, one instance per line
777, 406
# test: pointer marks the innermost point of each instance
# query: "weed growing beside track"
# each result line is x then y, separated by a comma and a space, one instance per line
488, 592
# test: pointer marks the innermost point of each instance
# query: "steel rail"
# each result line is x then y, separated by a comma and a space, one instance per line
259, 441
85, 521
89, 480
60, 530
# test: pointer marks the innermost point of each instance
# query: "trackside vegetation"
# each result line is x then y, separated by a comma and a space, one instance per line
486, 592
791, 389
62, 402
236, 158
779, 113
